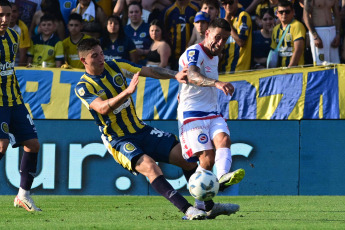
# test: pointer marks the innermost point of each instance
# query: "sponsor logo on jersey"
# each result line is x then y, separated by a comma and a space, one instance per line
4, 127
192, 56
118, 80
129, 147
202, 138
81, 91
123, 106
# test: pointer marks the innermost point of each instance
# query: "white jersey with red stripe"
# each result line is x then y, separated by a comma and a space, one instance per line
195, 101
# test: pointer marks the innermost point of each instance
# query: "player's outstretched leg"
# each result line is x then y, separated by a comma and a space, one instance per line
231, 178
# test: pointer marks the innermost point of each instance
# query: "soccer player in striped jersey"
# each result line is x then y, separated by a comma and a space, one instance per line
133, 144
17, 126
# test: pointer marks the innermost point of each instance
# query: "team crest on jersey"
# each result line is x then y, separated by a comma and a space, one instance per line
4, 127
51, 52
288, 37
67, 5
81, 91
142, 35
192, 55
120, 49
118, 80
129, 147
321, 57
15, 48
202, 138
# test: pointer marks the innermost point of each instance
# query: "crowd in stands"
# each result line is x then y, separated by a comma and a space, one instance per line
157, 32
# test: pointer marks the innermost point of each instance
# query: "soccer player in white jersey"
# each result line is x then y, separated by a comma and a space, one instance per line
201, 128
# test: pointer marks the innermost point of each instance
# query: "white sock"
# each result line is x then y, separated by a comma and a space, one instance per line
198, 203
23, 193
223, 161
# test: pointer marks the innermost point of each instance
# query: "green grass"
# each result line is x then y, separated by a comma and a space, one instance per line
154, 212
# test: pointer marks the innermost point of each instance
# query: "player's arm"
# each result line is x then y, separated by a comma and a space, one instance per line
337, 20
307, 14
298, 51
198, 79
162, 73
106, 106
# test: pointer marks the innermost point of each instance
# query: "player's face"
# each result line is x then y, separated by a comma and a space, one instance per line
285, 14
47, 27
155, 33
215, 39
211, 10
94, 61
74, 27
201, 26
134, 14
5, 18
113, 26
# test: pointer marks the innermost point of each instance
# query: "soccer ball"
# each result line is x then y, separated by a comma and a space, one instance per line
203, 185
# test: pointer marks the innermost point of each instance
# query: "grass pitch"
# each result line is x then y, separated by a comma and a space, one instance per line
154, 212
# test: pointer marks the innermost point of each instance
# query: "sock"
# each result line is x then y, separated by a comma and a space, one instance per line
23, 193
162, 186
223, 161
188, 174
28, 168
2, 155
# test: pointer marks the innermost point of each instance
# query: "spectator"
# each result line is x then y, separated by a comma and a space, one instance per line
121, 9
107, 6
201, 21
238, 50
94, 17
51, 7
179, 17
27, 9
212, 8
24, 37
138, 30
291, 52
46, 49
262, 39
66, 6
156, 4
262, 7
160, 50
74, 26
116, 44
324, 32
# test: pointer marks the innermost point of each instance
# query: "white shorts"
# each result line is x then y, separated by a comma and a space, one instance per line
197, 135
327, 53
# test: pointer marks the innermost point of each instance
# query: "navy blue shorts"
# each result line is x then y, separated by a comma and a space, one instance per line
16, 124
153, 142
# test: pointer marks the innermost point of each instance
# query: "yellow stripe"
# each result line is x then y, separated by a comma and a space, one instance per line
120, 158
139, 105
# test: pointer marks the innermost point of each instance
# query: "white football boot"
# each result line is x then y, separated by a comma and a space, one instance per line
194, 214
222, 209
27, 203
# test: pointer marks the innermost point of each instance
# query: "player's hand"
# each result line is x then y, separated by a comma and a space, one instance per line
336, 41
226, 87
133, 84
182, 75
318, 42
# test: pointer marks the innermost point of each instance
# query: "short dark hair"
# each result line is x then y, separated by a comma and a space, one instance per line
136, 4
5, 3
269, 11
47, 17
75, 16
285, 3
214, 3
87, 44
220, 23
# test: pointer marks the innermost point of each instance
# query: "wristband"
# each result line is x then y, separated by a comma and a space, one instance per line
109, 105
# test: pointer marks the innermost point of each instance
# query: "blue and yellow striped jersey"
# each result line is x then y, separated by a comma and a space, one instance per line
71, 52
236, 58
296, 32
9, 88
180, 21
123, 120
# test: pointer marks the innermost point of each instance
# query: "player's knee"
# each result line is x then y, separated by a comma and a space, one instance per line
32, 146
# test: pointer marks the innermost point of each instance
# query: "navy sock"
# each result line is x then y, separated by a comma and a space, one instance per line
162, 186
2, 155
188, 174
208, 205
28, 168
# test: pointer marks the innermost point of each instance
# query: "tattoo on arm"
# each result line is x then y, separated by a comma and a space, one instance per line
163, 73
198, 79
308, 7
